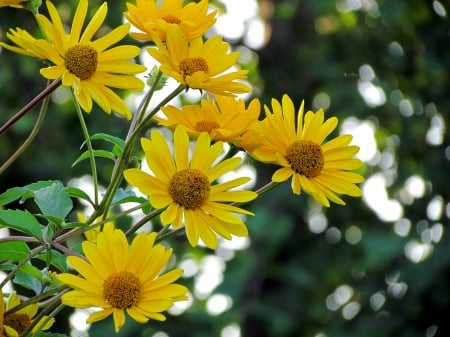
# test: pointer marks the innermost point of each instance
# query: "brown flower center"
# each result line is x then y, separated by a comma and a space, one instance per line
189, 188
206, 125
17, 321
305, 157
191, 65
171, 19
122, 290
81, 60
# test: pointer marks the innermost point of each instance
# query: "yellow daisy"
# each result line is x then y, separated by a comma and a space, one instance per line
117, 276
91, 234
185, 187
18, 321
150, 18
197, 64
320, 169
224, 118
82, 63
12, 3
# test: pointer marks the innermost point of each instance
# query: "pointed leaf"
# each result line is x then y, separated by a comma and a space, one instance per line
13, 250
54, 200
97, 153
21, 221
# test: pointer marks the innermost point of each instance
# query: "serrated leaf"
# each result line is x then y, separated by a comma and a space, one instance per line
97, 153
14, 251
53, 200
24, 192
11, 195
21, 221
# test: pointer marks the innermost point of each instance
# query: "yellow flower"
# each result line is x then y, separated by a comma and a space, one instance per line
84, 64
18, 321
224, 118
320, 169
11, 3
117, 276
149, 18
91, 234
186, 187
197, 64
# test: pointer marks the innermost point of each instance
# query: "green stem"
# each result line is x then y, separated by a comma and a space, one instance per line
143, 221
35, 299
123, 160
11, 274
266, 188
30, 137
46, 92
81, 230
167, 235
89, 146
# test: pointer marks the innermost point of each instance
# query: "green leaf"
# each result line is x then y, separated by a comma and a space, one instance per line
11, 195
122, 196
77, 193
29, 277
97, 153
108, 138
13, 250
24, 192
54, 200
21, 221
55, 258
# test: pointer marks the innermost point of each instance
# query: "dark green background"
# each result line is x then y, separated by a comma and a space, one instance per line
280, 284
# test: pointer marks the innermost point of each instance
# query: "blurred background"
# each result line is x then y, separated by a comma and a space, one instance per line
379, 266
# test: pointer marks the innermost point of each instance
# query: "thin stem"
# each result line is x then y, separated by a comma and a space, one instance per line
80, 230
122, 162
167, 235
89, 146
266, 188
48, 90
65, 250
35, 299
52, 303
143, 221
11, 274
30, 137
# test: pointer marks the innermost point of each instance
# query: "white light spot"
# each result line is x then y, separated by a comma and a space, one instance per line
406, 108
415, 186
439, 9
417, 252
190, 267
402, 227
366, 73
321, 100
218, 303
210, 276
375, 195
398, 289
78, 320
372, 94
363, 136
232, 330
317, 223
160, 334
333, 235
435, 208
353, 235
435, 134
351, 310
377, 301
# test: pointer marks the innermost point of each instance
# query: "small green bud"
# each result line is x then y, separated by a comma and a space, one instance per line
156, 79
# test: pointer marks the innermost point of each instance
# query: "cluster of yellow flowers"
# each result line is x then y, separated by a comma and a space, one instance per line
184, 182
